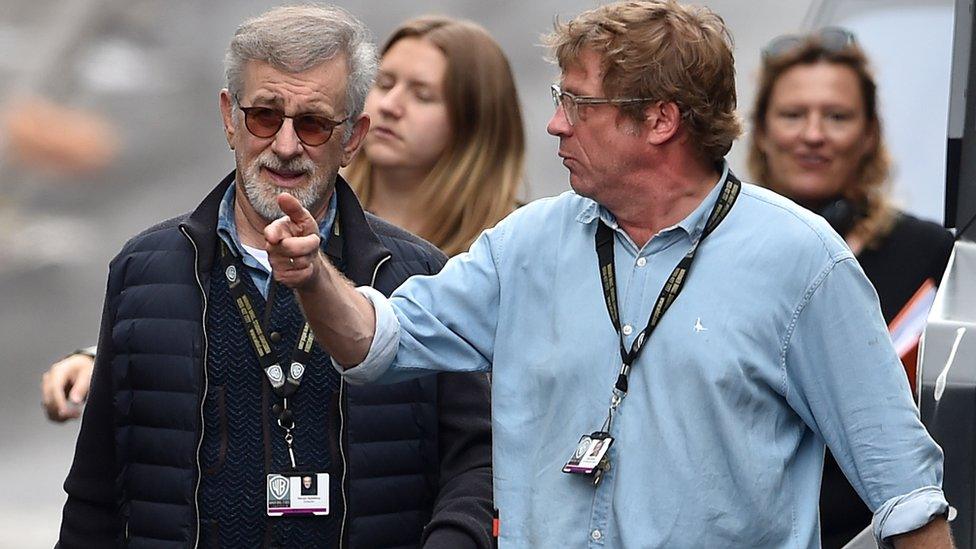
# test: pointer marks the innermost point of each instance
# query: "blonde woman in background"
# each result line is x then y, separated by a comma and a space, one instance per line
443, 158
445, 150
817, 139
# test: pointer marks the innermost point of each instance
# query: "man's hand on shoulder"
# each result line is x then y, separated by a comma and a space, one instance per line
293, 245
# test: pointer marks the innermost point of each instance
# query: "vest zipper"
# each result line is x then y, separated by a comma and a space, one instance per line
203, 394
342, 427
376, 269
342, 458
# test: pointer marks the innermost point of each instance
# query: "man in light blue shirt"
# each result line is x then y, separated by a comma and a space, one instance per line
774, 346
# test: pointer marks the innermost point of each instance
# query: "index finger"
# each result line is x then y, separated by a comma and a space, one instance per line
296, 212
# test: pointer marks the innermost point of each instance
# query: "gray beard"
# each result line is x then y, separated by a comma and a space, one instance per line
262, 196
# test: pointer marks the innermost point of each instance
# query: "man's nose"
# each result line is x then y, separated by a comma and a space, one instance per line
559, 123
286, 143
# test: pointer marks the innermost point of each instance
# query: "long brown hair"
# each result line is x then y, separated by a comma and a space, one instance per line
474, 183
869, 192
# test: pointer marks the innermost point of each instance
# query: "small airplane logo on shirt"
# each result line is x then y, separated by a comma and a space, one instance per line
698, 326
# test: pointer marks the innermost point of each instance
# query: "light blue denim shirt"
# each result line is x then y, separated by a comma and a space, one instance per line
227, 230
775, 346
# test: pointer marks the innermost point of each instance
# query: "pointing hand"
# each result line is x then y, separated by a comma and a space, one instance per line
293, 244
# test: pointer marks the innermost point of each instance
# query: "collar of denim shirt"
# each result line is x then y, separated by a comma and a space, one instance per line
227, 227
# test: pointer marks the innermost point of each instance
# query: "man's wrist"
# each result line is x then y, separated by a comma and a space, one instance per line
323, 274
86, 351
935, 534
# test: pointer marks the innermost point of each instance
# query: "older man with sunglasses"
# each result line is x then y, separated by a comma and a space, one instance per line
212, 412
670, 347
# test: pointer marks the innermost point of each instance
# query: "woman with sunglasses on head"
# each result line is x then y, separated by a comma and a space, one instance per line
817, 139
443, 158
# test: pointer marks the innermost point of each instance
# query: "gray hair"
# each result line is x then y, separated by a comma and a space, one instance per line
298, 38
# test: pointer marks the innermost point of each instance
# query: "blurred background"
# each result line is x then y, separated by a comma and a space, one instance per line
109, 123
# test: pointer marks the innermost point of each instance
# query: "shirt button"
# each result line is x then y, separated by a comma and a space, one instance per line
641, 261
628, 329
275, 337
596, 535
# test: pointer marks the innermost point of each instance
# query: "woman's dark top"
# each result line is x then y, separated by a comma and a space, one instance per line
914, 251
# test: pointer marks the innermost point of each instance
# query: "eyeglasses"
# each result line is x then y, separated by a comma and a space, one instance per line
832, 39
571, 102
311, 129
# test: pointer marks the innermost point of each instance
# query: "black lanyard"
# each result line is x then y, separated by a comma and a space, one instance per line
284, 381
604, 250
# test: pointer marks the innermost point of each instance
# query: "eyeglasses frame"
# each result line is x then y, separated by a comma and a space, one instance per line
246, 110
576, 100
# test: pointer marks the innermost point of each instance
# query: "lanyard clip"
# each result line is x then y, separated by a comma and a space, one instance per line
616, 399
291, 451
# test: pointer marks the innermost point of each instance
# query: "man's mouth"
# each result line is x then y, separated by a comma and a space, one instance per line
285, 178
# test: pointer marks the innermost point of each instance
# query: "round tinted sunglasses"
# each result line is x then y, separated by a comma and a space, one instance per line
311, 129
832, 39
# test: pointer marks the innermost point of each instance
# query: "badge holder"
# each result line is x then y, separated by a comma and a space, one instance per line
590, 456
297, 493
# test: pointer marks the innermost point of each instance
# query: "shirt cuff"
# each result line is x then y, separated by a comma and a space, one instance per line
903, 514
87, 351
383, 348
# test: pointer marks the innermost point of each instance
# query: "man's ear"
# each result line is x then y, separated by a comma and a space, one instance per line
227, 114
662, 120
355, 141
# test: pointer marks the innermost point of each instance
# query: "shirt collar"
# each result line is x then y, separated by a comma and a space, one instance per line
227, 226
693, 223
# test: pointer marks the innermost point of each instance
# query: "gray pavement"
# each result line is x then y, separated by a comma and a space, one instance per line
153, 69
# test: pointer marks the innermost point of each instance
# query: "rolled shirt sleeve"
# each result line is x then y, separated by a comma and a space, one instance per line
382, 349
845, 380
902, 514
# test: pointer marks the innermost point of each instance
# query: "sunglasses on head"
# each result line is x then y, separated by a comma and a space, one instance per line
832, 39
311, 129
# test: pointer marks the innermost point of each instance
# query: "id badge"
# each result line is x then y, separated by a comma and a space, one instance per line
298, 494
588, 454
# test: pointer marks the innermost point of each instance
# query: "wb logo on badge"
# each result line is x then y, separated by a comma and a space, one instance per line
278, 489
